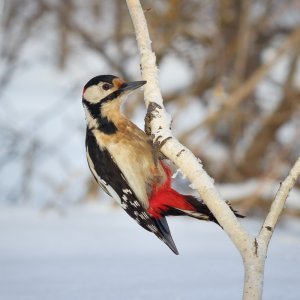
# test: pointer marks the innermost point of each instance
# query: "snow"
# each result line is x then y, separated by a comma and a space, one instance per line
97, 252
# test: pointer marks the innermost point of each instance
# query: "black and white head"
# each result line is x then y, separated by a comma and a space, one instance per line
102, 95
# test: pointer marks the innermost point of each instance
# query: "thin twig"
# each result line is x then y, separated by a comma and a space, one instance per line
278, 204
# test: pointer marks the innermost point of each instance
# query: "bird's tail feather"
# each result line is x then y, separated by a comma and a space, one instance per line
202, 212
168, 202
165, 201
164, 234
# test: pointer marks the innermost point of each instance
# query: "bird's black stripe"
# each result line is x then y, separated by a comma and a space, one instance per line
105, 125
111, 96
93, 108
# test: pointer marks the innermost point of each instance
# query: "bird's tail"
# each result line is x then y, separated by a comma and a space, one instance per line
200, 210
165, 201
171, 203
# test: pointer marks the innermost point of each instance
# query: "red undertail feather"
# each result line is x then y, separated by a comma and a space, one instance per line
164, 198
165, 201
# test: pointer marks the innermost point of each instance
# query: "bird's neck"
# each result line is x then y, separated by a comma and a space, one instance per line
105, 118
111, 111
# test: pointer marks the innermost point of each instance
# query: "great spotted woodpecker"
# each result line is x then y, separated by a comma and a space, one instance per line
124, 163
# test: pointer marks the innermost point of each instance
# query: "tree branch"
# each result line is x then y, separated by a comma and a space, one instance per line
278, 204
252, 249
160, 129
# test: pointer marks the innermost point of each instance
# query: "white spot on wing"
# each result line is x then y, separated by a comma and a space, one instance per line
127, 191
135, 203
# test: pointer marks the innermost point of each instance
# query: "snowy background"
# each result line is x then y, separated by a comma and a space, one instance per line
95, 252
62, 238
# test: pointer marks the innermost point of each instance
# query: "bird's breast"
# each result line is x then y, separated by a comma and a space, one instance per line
131, 150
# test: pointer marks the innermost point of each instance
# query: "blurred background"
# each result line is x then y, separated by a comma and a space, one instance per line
230, 77
229, 73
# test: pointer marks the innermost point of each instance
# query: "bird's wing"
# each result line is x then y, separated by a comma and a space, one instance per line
114, 183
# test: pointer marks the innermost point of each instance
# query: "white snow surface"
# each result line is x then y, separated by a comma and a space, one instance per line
97, 252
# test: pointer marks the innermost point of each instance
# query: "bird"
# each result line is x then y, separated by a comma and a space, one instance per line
124, 161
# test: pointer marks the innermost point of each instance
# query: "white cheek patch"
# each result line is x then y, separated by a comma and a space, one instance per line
93, 94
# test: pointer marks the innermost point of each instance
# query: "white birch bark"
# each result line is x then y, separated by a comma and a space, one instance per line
252, 249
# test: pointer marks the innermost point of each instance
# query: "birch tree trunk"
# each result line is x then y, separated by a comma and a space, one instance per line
252, 249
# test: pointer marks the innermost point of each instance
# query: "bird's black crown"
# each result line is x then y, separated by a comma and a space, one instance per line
100, 78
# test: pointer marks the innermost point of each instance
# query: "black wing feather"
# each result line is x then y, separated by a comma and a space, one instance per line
111, 176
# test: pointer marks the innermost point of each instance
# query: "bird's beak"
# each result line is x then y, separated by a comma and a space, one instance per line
130, 86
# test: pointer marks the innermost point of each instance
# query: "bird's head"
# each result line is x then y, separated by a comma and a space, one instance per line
107, 88
102, 95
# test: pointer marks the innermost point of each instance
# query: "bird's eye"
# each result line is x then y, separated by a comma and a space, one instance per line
106, 86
